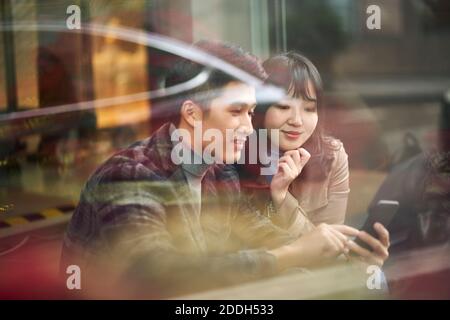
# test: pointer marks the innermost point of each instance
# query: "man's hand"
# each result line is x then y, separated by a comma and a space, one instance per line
290, 166
380, 246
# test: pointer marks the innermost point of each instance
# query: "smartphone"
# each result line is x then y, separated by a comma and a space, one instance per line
383, 212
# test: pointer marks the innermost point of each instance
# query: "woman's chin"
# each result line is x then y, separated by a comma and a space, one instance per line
287, 146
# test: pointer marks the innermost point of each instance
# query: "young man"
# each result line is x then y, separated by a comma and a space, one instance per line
170, 225
162, 219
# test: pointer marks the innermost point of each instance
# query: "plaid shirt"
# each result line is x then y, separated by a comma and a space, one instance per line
136, 208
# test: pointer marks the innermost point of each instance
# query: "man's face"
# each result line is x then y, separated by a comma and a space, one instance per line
231, 111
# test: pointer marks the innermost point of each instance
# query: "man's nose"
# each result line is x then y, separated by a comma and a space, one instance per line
246, 126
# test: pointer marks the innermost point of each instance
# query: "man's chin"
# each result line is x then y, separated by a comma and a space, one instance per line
232, 158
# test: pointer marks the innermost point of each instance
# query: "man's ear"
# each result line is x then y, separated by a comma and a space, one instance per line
190, 112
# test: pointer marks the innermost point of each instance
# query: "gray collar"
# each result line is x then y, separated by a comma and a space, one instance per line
198, 167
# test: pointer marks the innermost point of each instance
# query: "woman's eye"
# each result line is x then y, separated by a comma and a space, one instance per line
311, 109
235, 112
251, 114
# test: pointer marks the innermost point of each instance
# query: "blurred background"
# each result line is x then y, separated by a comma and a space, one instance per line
388, 100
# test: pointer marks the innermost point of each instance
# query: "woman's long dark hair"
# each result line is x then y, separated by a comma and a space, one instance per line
294, 72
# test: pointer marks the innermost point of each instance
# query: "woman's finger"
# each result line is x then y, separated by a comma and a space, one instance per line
283, 159
340, 236
292, 166
374, 243
295, 155
347, 230
285, 168
304, 156
359, 250
338, 244
372, 260
383, 234
365, 255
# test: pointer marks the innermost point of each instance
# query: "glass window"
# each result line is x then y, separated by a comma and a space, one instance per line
82, 95
26, 53
3, 101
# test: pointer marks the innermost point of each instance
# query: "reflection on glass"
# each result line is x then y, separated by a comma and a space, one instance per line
25, 45
119, 70
2, 76
119, 67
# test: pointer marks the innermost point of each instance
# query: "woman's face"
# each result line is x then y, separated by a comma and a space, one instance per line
295, 118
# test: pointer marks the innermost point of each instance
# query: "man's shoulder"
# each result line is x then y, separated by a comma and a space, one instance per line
145, 159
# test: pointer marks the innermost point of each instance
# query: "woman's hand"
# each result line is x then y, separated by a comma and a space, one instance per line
290, 166
379, 246
317, 247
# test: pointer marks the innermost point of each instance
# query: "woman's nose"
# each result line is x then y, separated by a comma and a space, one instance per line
295, 118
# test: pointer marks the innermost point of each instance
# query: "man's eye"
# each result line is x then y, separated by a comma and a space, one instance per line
282, 106
235, 112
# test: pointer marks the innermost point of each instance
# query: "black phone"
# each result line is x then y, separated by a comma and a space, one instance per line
383, 212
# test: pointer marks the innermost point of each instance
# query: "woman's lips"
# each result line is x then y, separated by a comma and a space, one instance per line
291, 134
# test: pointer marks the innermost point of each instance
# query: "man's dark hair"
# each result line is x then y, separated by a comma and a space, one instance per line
185, 70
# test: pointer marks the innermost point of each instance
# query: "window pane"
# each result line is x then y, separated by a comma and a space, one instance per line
25, 45
119, 67
2, 76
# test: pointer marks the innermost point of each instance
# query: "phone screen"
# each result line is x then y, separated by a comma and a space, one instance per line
383, 213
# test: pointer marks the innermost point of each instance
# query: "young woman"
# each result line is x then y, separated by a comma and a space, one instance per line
310, 186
